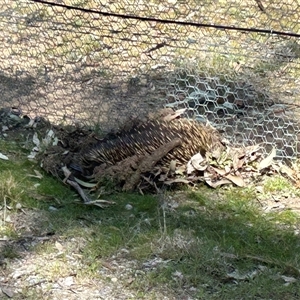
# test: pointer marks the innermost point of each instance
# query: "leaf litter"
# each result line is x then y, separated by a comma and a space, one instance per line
56, 147
235, 166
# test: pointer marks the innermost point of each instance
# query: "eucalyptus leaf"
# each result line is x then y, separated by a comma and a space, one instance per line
85, 184
237, 180
4, 157
268, 160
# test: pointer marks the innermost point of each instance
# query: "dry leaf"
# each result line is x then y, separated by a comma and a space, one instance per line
172, 166
180, 171
268, 160
59, 246
195, 164
37, 175
237, 276
217, 183
219, 171
85, 184
237, 180
208, 179
55, 141
162, 177
4, 157
100, 203
31, 123
174, 115
67, 172
177, 274
36, 140
176, 180
287, 171
239, 164
288, 280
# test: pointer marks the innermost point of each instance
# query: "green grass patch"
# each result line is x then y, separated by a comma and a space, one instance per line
277, 183
217, 244
204, 248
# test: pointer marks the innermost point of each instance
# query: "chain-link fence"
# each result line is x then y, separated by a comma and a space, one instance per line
233, 63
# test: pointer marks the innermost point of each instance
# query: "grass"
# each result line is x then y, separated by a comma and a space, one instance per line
209, 246
116, 49
193, 248
277, 183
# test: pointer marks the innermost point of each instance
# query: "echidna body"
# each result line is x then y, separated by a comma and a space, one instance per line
149, 136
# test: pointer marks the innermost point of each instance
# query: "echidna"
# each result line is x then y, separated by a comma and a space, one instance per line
145, 138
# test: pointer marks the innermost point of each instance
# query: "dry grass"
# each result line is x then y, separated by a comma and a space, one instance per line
198, 244
77, 67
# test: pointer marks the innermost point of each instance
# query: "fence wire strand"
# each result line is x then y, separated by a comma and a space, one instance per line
96, 63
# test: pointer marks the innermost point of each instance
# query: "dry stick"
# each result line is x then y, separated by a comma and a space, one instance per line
163, 207
4, 210
80, 191
289, 268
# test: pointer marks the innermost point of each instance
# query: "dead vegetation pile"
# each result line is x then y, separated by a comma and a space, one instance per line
154, 158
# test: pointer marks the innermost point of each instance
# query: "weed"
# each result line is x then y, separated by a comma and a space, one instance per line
208, 244
9, 252
276, 184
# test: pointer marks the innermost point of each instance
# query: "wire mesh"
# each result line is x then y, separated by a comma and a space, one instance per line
98, 62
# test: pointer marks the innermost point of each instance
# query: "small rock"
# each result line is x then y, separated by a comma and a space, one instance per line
8, 292
114, 279
69, 281
18, 206
17, 274
8, 219
123, 250
147, 221
177, 274
52, 208
128, 207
